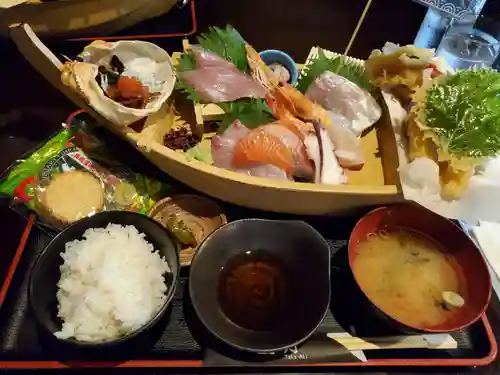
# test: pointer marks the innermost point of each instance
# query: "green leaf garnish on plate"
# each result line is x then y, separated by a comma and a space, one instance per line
228, 44
251, 112
464, 113
340, 65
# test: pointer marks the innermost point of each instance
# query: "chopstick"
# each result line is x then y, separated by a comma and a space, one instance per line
433, 341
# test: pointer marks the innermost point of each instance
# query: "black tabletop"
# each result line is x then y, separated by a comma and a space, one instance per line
30, 109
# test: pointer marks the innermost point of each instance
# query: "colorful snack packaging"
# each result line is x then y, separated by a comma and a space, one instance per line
62, 184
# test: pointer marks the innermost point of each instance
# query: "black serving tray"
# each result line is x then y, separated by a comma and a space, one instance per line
179, 340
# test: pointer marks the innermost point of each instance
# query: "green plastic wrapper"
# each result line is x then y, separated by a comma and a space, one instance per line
52, 181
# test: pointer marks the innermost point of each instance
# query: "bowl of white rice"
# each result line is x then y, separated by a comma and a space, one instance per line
104, 279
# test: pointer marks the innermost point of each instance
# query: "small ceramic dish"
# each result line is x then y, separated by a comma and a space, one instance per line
274, 56
261, 286
199, 214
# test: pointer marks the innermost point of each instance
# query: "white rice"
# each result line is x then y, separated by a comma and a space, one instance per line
111, 284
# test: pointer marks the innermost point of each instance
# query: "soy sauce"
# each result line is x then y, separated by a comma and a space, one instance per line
252, 290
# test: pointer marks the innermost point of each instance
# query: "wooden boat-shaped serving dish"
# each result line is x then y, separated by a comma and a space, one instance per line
375, 184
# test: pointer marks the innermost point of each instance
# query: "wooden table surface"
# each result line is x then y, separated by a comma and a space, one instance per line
30, 110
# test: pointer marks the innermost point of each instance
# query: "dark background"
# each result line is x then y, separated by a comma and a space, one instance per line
30, 109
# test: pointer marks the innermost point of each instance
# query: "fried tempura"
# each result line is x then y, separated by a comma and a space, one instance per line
402, 68
418, 145
454, 180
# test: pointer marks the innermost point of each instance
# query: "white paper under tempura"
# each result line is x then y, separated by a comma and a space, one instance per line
420, 180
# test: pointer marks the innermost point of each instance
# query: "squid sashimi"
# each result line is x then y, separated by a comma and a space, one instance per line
321, 150
223, 148
355, 108
217, 80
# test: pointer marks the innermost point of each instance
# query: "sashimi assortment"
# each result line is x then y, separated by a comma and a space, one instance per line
309, 132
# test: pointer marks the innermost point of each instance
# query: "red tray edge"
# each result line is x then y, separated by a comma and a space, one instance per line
445, 362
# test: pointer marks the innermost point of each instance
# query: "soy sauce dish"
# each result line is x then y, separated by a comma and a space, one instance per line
420, 271
104, 279
261, 286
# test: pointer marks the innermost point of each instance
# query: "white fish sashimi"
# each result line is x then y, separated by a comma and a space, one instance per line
347, 145
329, 170
343, 97
223, 147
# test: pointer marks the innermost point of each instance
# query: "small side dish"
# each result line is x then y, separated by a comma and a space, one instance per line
282, 66
58, 197
189, 219
123, 81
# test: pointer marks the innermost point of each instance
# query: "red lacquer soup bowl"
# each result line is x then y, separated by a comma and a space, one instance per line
466, 261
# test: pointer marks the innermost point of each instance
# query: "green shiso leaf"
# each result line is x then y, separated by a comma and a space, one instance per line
339, 65
251, 112
464, 112
228, 44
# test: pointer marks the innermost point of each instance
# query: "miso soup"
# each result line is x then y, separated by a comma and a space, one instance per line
405, 274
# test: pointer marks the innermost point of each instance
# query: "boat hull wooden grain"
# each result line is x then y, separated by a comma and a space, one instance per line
376, 184
82, 17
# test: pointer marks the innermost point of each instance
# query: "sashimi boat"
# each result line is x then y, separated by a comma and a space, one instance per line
276, 149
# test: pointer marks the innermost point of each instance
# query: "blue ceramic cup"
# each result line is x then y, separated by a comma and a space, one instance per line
272, 56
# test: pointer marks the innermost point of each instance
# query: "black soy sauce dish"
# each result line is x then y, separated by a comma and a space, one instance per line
46, 274
261, 286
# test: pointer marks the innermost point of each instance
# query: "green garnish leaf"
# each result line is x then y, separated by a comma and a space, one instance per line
251, 112
226, 43
464, 112
340, 65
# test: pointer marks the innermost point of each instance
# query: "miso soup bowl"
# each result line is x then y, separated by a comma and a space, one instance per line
469, 264
305, 257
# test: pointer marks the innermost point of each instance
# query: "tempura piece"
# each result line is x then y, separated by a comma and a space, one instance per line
400, 68
418, 145
454, 179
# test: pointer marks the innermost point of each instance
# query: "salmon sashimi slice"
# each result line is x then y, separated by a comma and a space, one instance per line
302, 165
223, 148
261, 147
